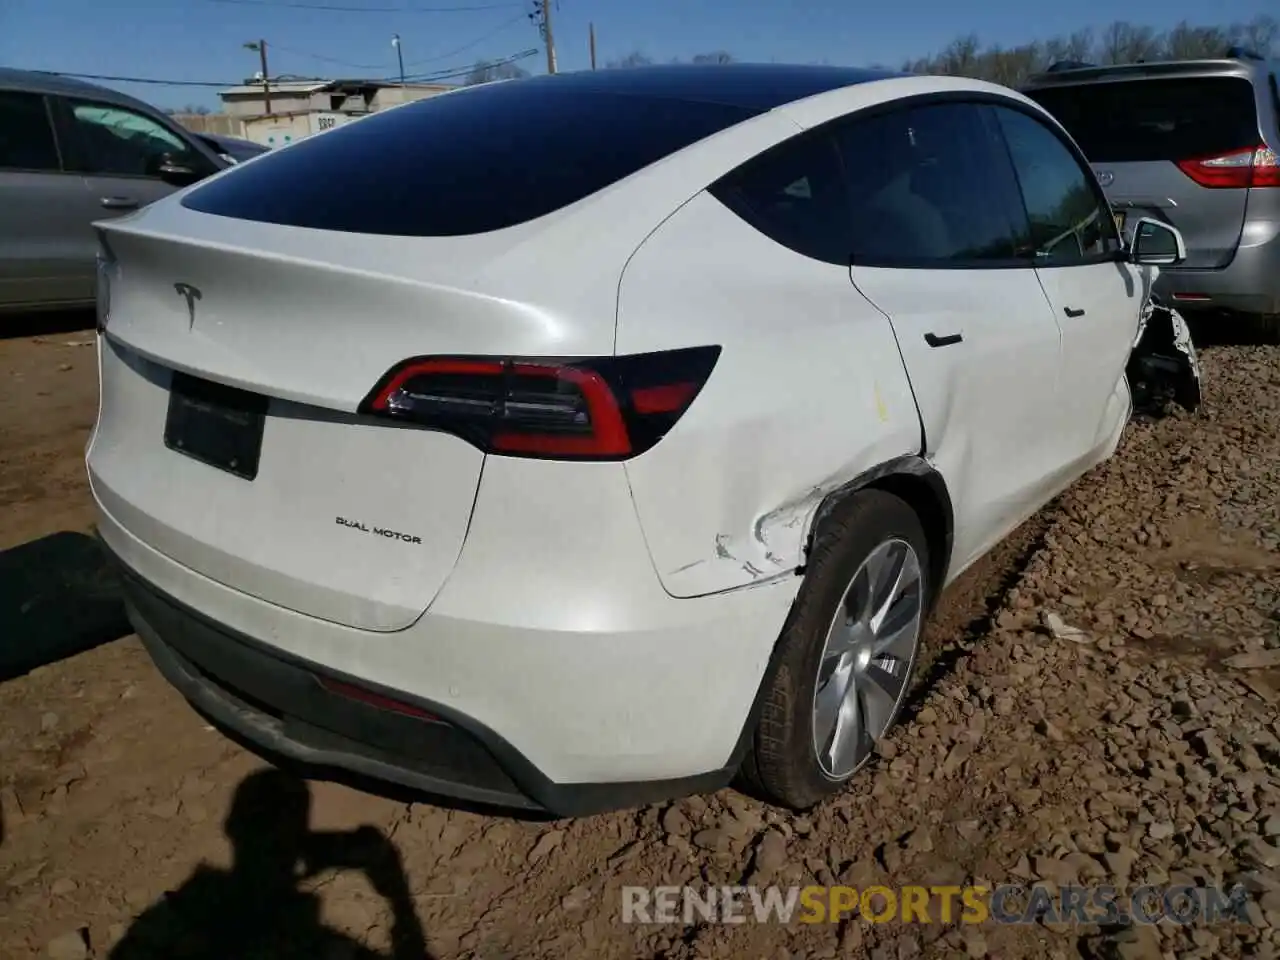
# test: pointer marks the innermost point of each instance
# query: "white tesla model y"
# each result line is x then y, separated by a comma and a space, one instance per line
579, 441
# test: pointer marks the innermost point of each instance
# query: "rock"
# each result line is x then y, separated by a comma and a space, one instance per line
771, 853
1120, 862
63, 886
1254, 660
72, 945
675, 823
576, 899
48, 722
167, 809
1161, 830
1260, 852
1138, 942
1047, 729
717, 840
546, 843
1061, 630
975, 944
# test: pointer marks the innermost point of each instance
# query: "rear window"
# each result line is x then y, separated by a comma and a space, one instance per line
463, 163
1156, 119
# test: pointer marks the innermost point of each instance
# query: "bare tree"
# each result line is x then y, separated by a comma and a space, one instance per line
1124, 42
633, 59
1187, 42
1261, 34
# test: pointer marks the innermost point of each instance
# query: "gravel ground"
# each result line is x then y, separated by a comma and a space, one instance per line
1099, 706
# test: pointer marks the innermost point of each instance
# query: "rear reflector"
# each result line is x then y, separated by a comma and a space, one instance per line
1191, 296
609, 408
352, 692
1252, 167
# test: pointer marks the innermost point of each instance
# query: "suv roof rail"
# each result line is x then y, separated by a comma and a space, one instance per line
1060, 65
1237, 52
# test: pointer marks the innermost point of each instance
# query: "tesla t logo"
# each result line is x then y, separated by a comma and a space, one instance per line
1106, 178
191, 294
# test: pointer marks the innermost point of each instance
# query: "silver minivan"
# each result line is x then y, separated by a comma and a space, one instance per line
1196, 144
72, 153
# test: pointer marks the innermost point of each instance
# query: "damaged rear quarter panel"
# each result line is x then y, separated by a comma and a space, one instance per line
809, 392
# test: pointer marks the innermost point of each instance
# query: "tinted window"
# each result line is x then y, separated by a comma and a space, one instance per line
115, 141
468, 162
1155, 119
1070, 220
795, 195
931, 186
26, 136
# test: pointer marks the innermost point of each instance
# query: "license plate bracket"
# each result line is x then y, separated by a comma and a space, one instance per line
218, 425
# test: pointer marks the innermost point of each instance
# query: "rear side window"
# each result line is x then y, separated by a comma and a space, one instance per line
1156, 119
26, 135
932, 187
795, 195
463, 163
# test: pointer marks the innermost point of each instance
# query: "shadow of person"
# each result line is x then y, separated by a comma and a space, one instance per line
256, 909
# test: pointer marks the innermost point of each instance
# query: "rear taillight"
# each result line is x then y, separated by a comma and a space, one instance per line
1252, 167
599, 409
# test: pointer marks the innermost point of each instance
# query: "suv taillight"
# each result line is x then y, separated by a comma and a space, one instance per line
1251, 167
610, 408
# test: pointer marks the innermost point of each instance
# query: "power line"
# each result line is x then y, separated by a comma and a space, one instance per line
418, 78
163, 83
453, 74
474, 43
321, 57
343, 8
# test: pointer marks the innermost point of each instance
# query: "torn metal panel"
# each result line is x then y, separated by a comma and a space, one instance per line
1163, 367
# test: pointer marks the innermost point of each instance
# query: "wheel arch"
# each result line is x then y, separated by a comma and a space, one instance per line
914, 480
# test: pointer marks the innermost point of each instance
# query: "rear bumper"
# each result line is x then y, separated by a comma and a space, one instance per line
1249, 284
569, 719
280, 705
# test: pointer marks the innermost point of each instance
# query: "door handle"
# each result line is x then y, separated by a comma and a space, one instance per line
120, 203
933, 340
1072, 312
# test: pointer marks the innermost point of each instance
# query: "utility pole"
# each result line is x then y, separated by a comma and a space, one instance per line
591, 28
544, 7
261, 47
395, 42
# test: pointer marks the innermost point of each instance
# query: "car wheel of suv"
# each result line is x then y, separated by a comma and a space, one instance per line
846, 655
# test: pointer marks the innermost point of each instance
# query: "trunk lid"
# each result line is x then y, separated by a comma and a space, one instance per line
346, 518
1134, 131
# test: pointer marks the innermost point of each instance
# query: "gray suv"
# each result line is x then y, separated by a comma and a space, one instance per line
72, 153
1194, 143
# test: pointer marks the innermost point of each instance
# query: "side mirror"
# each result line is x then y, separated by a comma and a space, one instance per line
176, 172
1157, 244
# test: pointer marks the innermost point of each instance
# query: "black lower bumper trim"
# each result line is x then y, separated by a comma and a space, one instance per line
276, 702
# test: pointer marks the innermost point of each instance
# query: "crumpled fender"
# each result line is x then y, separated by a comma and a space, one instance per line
1163, 366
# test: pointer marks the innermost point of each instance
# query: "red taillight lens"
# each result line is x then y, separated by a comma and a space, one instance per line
1252, 167
601, 409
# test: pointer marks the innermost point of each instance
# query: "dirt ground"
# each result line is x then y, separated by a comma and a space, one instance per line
1141, 748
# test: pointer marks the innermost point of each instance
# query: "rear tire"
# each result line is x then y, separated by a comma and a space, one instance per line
844, 661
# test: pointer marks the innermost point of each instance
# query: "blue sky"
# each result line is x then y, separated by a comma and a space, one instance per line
202, 39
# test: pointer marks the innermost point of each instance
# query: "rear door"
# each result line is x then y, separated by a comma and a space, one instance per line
940, 247
1163, 147
120, 152
1096, 295
46, 244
